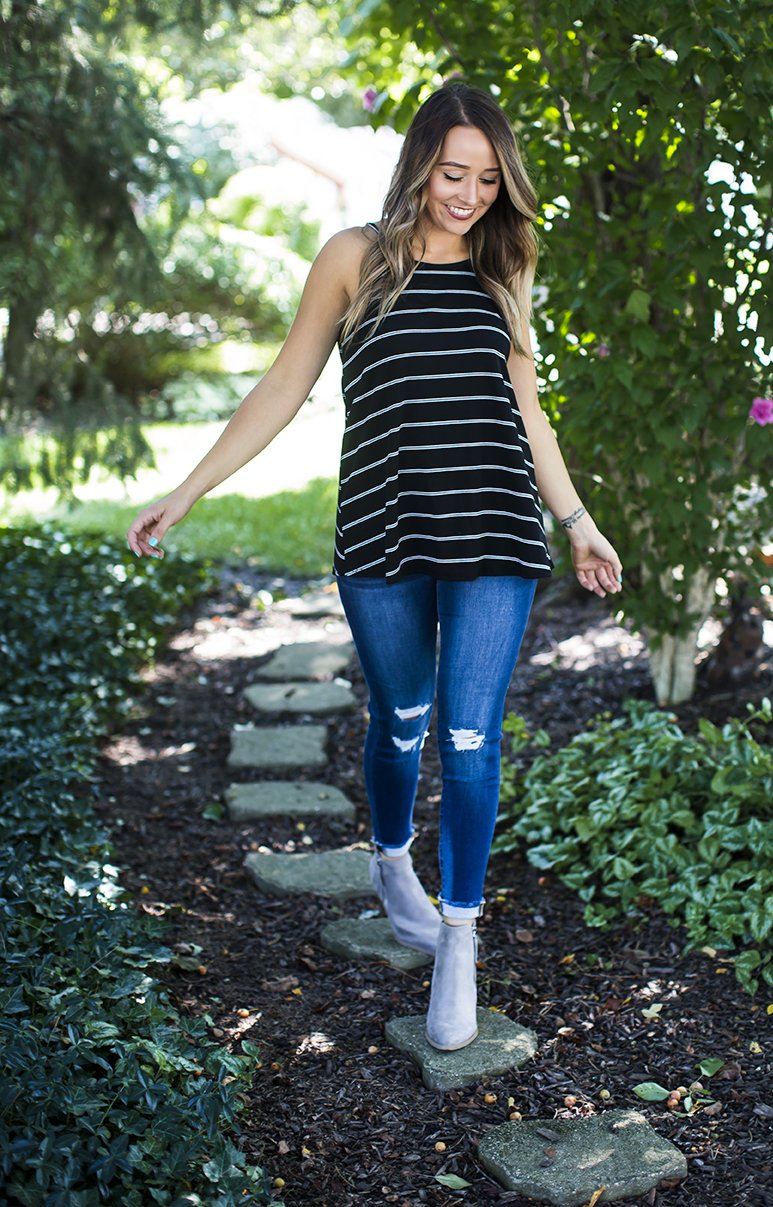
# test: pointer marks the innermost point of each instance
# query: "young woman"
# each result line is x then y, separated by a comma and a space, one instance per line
445, 456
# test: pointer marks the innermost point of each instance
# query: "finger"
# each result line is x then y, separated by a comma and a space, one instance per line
608, 578
587, 580
145, 533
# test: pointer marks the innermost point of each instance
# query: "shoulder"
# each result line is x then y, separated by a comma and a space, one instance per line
343, 253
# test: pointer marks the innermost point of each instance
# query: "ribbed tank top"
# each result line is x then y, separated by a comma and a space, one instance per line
436, 472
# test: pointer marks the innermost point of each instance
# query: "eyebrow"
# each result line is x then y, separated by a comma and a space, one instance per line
450, 163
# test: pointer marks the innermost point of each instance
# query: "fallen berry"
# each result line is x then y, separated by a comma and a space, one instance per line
570, 1100
489, 1098
440, 1147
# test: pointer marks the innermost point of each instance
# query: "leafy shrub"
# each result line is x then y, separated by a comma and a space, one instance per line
635, 813
107, 1095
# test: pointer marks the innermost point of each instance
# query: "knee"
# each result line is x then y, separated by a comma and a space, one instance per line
470, 753
404, 728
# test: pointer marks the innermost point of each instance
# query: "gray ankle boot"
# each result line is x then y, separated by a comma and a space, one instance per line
451, 1019
414, 919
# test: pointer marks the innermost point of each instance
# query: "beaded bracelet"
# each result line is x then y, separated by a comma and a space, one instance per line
573, 518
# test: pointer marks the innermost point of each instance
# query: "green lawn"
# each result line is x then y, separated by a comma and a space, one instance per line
284, 531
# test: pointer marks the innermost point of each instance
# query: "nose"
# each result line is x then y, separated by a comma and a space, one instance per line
469, 193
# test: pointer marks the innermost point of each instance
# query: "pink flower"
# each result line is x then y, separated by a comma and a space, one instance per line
762, 411
602, 350
369, 98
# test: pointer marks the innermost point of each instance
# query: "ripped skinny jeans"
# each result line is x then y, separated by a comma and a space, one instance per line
395, 629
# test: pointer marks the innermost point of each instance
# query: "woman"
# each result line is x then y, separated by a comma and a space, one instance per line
446, 453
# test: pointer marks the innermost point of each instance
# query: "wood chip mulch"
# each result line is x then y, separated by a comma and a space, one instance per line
336, 1113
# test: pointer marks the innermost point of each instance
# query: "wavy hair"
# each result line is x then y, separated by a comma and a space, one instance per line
503, 244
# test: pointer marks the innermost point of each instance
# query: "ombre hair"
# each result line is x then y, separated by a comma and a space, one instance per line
503, 244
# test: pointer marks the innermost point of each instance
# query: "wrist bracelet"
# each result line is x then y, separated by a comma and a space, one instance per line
573, 518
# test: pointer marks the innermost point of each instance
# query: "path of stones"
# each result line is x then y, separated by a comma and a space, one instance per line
565, 1161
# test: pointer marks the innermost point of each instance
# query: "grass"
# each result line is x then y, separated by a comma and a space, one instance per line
286, 533
277, 513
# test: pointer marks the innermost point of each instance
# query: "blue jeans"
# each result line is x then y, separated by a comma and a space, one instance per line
395, 628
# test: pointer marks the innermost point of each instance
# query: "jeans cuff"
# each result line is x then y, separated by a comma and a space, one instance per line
393, 852
461, 911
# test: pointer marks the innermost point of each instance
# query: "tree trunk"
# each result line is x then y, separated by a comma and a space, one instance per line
672, 664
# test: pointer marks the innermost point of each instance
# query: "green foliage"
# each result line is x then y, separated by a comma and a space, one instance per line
634, 814
647, 139
108, 1094
102, 276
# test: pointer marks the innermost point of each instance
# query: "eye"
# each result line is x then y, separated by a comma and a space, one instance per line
488, 181
454, 178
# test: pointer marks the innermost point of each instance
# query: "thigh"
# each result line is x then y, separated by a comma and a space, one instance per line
482, 623
394, 627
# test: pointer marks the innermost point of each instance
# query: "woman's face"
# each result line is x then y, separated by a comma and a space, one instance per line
464, 181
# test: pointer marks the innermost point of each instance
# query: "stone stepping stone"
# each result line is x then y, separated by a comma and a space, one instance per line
334, 696
338, 874
499, 1046
274, 747
313, 606
370, 939
286, 798
307, 660
617, 1150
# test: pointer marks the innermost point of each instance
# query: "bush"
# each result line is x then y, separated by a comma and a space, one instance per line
635, 814
107, 1095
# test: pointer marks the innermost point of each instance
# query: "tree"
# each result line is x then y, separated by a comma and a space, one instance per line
89, 168
648, 132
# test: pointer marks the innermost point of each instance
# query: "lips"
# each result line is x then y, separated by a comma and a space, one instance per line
461, 215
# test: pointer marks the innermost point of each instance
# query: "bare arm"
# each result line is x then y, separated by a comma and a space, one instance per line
277, 397
596, 563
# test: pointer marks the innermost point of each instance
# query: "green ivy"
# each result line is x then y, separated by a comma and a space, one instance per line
107, 1094
634, 814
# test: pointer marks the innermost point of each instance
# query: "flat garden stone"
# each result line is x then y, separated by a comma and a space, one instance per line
286, 798
617, 1150
307, 660
276, 747
500, 1045
323, 699
338, 874
370, 939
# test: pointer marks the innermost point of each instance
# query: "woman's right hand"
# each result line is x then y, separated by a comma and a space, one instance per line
153, 522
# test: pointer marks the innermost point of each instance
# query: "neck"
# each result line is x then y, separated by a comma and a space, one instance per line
440, 250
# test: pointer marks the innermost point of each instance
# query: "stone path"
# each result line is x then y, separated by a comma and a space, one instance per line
565, 1162
289, 798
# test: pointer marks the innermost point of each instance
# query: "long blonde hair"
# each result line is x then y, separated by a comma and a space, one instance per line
503, 244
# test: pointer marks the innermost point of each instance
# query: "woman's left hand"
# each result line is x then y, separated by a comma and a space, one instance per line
597, 566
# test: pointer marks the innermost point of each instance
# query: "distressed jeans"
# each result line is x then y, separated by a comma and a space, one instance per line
395, 629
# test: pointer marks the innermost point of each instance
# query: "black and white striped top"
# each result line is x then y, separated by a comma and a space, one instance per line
436, 471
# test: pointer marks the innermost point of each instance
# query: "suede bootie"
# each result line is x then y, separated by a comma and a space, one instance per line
414, 919
451, 1019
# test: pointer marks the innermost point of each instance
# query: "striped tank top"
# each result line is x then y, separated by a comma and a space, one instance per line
436, 472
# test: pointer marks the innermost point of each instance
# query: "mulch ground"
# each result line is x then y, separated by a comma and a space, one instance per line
334, 1111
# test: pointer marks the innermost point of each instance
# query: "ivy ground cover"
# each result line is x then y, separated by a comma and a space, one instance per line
108, 1094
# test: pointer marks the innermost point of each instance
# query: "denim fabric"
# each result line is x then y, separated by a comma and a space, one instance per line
395, 629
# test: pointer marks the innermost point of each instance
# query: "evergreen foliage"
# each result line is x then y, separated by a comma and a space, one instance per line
96, 188
108, 1094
